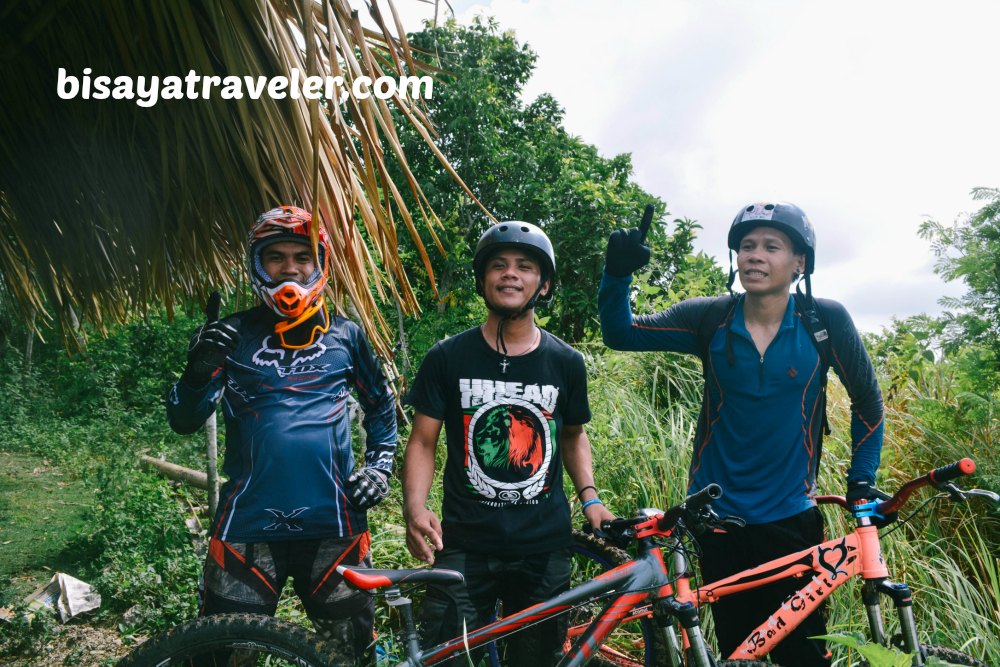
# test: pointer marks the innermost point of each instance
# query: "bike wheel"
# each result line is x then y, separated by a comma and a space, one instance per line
234, 639
946, 656
950, 656
634, 643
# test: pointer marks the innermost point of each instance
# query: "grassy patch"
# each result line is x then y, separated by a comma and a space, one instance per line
42, 510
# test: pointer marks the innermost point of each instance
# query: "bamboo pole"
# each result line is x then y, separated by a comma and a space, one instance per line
175, 472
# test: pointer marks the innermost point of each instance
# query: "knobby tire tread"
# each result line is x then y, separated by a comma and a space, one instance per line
267, 635
948, 655
953, 656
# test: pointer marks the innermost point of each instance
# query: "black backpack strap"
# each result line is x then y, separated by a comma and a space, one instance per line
809, 310
715, 315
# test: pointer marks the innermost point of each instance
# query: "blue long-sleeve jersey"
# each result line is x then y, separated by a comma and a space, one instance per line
288, 435
761, 415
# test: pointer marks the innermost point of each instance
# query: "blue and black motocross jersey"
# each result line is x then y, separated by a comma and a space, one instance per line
288, 434
761, 415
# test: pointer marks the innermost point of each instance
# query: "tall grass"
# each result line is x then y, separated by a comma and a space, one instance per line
644, 417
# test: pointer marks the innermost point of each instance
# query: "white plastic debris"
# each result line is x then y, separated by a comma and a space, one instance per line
66, 595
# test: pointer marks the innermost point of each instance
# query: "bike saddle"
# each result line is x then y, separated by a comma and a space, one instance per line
371, 578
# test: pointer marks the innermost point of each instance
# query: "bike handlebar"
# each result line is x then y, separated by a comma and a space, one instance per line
651, 522
692, 503
936, 478
952, 471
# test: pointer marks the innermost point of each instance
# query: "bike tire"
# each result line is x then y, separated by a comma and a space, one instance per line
210, 641
637, 643
951, 656
947, 655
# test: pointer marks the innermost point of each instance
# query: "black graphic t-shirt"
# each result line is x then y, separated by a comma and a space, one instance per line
503, 476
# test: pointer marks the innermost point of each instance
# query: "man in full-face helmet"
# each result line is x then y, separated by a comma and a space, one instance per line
293, 505
765, 355
512, 399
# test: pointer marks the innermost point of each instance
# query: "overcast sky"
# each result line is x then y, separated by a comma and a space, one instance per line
871, 116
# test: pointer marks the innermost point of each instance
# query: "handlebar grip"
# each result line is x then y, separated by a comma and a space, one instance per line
952, 471
692, 503
701, 498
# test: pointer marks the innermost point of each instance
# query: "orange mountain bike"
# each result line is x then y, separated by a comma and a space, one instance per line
626, 615
822, 569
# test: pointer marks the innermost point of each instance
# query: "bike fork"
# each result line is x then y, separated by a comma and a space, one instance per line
687, 614
902, 600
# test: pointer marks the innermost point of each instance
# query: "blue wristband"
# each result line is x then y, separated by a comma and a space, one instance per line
592, 501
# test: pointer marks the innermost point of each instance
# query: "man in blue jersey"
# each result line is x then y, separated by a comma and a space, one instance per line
294, 505
762, 414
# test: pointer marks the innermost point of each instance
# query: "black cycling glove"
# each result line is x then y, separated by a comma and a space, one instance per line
211, 343
367, 487
626, 252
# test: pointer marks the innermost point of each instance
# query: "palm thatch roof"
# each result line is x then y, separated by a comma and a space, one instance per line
108, 206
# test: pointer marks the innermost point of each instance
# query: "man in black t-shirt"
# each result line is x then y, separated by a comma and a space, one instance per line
513, 401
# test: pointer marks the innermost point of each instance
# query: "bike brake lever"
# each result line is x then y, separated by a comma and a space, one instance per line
956, 494
732, 522
989, 495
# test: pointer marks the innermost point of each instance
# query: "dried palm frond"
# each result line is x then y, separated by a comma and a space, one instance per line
107, 207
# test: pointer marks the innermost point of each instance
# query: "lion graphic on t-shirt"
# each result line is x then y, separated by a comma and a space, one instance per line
509, 440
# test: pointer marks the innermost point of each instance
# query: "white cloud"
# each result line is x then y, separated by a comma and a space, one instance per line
870, 116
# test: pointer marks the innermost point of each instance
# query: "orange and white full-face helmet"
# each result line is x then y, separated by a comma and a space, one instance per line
290, 299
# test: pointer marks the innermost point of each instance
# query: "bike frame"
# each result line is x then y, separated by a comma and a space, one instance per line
629, 586
644, 586
825, 567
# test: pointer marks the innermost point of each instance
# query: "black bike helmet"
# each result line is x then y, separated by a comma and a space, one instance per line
789, 218
516, 234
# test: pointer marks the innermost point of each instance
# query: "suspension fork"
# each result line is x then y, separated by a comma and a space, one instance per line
668, 612
902, 601
687, 614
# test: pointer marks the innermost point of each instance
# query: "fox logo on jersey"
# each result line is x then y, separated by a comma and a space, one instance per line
280, 357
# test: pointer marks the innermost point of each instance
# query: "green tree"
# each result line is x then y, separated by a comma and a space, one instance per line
969, 250
520, 162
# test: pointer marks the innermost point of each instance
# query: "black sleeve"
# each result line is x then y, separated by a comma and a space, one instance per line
427, 393
577, 408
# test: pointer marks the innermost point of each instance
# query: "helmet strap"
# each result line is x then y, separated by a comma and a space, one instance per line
501, 345
505, 315
807, 296
732, 274
304, 330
